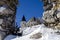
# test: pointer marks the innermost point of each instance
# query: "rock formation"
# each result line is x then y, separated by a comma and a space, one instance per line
52, 16
36, 36
7, 17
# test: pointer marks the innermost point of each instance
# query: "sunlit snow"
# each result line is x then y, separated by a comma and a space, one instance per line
47, 33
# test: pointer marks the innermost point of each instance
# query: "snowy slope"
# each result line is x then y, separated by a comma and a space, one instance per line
28, 30
47, 34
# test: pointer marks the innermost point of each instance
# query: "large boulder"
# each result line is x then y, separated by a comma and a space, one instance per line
51, 15
48, 16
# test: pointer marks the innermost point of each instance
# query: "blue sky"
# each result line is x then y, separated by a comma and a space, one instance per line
29, 8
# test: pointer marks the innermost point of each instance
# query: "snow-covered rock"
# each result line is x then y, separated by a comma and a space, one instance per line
2, 8
52, 16
58, 15
48, 16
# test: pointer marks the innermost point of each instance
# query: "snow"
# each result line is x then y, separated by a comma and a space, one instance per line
28, 30
10, 37
2, 8
47, 33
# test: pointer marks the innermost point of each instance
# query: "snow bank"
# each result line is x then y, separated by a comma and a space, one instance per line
28, 30
47, 34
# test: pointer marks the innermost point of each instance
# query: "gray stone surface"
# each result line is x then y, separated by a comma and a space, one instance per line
36, 36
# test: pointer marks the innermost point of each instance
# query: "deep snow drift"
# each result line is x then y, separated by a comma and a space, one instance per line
47, 34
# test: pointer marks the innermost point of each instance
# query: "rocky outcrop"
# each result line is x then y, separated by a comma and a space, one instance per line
52, 16
36, 36
7, 17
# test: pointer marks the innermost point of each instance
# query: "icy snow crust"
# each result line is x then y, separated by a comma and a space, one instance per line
47, 33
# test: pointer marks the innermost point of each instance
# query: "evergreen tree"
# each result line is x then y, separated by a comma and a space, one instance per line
34, 18
23, 18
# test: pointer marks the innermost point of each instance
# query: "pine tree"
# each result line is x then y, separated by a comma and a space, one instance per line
23, 18
34, 18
